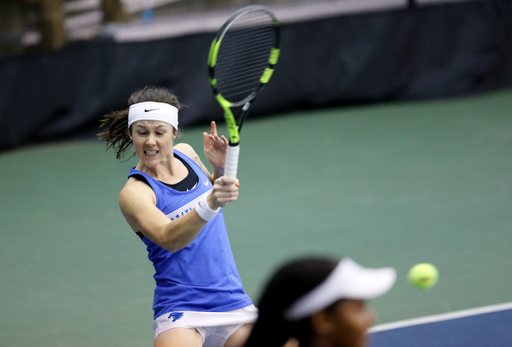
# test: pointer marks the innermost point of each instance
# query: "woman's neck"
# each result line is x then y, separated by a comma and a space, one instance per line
170, 171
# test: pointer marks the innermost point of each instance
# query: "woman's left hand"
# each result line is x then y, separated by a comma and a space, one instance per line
215, 148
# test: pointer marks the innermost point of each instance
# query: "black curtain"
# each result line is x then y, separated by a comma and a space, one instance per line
416, 52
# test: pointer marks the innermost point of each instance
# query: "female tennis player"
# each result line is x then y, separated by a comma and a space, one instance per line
319, 302
175, 205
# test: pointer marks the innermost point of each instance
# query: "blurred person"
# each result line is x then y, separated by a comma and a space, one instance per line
175, 206
318, 302
113, 11
52, 24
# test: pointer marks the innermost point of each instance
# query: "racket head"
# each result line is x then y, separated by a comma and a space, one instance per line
242, 59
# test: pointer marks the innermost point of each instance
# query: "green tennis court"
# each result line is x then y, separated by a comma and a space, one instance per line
389, 185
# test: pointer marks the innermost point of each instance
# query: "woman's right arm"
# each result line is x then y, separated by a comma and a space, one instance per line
138, 205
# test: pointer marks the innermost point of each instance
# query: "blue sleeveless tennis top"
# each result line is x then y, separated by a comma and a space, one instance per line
202, 276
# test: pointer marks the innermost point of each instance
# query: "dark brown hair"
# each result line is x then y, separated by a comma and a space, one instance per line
290, 282
116, 133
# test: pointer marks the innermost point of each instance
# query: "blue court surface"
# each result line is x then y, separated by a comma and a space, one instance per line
489, 326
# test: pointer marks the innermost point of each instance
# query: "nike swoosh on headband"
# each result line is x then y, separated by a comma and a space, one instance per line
150, 110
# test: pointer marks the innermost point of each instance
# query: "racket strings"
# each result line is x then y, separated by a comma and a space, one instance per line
247, 47
251, 74
244, 55
244, 52
257, 39
239, 72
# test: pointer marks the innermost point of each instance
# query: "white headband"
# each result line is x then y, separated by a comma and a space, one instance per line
348, 280
150, 110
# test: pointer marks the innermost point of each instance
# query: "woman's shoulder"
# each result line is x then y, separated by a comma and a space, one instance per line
134, 189
186, 149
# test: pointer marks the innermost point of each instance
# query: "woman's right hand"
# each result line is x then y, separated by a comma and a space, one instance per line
225, 190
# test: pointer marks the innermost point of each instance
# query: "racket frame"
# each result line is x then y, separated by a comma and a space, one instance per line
234, 126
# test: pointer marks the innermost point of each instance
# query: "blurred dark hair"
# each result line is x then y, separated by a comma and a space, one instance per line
290, 282
117, 133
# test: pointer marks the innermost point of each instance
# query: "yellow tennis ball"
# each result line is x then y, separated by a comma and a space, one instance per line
423, 276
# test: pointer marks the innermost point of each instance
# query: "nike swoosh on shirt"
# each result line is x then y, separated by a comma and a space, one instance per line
205, 183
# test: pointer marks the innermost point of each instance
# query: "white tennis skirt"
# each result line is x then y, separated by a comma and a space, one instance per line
229, 321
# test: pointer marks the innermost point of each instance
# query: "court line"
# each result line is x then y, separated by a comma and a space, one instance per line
441, 317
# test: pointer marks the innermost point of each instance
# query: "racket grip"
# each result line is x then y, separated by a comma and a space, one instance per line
232, 154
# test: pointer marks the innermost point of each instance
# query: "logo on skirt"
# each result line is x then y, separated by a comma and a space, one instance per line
175, 316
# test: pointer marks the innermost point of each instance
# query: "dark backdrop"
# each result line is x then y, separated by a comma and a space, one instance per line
418, 52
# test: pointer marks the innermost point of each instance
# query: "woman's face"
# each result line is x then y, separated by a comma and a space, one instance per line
350, 320
153, 141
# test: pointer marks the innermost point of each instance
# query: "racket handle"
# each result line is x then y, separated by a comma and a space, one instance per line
232, 154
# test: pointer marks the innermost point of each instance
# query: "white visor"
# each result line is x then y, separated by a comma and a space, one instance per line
348, 280
150, 110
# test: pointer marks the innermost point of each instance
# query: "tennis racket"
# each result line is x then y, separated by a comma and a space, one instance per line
241, 61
